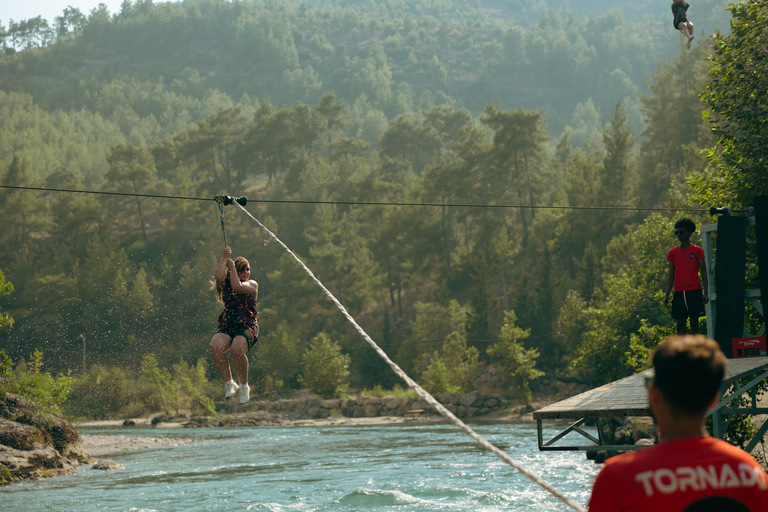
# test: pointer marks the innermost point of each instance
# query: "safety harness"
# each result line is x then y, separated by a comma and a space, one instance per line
252, 314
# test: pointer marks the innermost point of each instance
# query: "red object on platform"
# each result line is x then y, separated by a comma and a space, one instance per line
741, 345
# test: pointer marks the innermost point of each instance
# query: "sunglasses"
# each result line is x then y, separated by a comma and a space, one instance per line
244, 269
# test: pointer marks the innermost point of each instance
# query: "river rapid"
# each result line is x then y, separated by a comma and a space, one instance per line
317, 469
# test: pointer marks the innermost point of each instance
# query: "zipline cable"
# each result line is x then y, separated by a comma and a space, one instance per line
372, 203
421, 392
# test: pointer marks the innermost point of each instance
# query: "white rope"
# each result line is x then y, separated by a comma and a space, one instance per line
421, 392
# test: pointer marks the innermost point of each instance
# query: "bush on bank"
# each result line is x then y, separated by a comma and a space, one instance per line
114, 392
28, 380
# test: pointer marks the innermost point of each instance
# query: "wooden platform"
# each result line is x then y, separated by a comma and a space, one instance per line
629, 397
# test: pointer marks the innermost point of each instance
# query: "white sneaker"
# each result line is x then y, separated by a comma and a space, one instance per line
245, 393
230, 388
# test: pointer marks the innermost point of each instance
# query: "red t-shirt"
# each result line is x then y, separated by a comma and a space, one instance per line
697, 474
686, 262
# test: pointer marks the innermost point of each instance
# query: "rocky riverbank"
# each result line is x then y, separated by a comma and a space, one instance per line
34, 445
357, 410
469, 405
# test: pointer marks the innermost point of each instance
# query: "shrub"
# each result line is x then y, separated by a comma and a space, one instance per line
326, 369
114, 392
45, 392
196, 391
519, 363
453, 368
105, 392
396, 392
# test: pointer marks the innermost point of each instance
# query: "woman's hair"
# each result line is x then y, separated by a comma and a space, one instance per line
222, 288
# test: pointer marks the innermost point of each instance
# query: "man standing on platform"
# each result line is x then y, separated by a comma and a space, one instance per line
688, 471
685, 262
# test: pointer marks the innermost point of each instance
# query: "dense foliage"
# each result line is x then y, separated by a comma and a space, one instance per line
440, 102
45, 392
738, 99
115, 392
325, 368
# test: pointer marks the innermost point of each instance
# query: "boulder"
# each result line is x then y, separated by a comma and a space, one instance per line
35, 445
472, 399
107, 465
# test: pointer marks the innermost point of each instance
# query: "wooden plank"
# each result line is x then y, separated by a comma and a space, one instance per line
742, 367
629, 397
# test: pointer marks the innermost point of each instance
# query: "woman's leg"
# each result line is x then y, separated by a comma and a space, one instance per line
687, 29
219, 346
239, 353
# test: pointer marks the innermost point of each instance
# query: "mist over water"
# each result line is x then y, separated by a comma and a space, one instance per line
317, 469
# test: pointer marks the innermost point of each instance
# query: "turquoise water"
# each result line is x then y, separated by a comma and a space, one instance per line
317, 469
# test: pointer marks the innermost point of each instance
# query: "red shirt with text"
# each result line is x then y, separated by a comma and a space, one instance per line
696, 474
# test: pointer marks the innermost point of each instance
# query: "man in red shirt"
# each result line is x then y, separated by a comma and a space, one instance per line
688, 471
685, 262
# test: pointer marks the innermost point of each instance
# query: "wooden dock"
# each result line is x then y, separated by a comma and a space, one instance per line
629, 397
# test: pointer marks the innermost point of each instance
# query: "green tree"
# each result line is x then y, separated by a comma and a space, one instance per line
519, 363
195, 387
208, 150
132, 169
333, 110
6, 288
736, 96
166, 390
516, 158
410, 140
28, 380
453, 368
432, 326
673, 122
325, 368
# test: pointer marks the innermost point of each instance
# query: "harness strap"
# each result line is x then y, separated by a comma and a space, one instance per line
253, 315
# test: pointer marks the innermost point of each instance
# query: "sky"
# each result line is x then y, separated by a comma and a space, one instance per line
18, 10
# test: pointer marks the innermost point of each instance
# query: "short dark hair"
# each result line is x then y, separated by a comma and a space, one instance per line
687, 224
689, 370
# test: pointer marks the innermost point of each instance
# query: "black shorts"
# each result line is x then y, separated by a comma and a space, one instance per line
241, 330
677, 20
687, 304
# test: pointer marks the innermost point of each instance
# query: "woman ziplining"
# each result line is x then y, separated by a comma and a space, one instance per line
680, 20
238, 324
238, 329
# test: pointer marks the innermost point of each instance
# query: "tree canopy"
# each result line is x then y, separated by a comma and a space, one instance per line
316, 111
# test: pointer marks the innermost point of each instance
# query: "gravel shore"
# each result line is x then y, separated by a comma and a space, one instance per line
100, 445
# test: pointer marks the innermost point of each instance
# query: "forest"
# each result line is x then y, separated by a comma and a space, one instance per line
577, 140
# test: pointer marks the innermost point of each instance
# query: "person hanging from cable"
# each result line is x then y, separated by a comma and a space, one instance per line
238, 324
685, 263
680, 19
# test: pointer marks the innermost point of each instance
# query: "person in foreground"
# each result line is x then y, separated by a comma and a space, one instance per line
685, 263
688, 470
238, 323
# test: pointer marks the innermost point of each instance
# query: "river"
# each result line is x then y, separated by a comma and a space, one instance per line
317, 469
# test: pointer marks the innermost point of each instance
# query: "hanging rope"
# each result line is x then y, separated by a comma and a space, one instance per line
221, 214
420, 391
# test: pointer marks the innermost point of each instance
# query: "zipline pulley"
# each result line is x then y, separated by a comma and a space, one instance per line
222, 201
